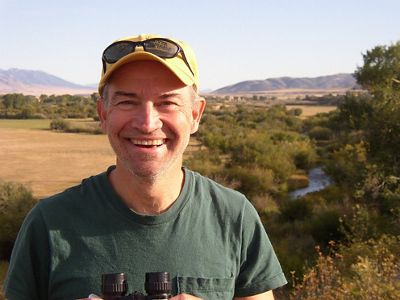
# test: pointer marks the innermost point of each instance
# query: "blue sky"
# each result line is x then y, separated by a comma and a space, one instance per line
233, 40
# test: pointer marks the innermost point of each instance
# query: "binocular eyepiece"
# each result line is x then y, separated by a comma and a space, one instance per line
115, 287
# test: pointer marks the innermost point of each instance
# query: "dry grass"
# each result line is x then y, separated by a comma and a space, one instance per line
49, 162
311, 110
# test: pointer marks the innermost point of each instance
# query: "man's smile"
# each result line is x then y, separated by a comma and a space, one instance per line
148, 142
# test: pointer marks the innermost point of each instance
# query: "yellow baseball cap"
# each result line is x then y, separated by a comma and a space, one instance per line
183, 63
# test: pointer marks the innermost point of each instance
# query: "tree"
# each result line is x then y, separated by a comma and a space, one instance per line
380, 74
381, 70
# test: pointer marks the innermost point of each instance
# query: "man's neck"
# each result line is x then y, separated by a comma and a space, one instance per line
147, 197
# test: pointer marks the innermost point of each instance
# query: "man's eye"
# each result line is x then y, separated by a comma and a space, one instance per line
168, 103
125, 104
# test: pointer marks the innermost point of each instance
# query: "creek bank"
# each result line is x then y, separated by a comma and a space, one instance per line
318, 180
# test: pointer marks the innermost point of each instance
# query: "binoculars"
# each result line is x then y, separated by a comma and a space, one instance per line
115, 287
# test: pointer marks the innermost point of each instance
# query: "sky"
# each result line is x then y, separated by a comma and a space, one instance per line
233, 40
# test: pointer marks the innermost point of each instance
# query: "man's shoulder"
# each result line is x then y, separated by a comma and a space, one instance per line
212, 185
74, 196
210, 190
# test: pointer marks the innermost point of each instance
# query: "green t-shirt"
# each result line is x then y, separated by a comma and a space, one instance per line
211, 241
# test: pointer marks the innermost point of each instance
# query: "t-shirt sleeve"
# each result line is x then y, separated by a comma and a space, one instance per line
260, 270
27, 276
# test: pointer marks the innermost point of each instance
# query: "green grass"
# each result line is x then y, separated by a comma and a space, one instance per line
25, 124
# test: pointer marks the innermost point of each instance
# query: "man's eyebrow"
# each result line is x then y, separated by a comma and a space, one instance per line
170, 95
126, 94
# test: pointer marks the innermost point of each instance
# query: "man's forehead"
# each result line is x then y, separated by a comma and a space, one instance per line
144, 70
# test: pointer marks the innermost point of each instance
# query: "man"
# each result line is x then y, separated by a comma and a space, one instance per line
147, 213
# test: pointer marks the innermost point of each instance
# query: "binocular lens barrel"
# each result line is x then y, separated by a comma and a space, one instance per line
114, 284
158, 285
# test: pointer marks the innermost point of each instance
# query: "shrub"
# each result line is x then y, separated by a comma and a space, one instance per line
303, 154
298, 181
320, 133
348, 165
252, 181
323, 281
60, 124
295, 112
204, 162
15, 202
373, 273
298, 209
325, 227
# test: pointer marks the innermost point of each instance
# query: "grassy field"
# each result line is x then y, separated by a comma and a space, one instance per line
311, 110
26, 124
49, 161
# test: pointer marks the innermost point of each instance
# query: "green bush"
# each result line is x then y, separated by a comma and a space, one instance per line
295, 112
60, 124
325, 227
204, 162
15, 202
303, 154
320, 133
299, 209
252, 181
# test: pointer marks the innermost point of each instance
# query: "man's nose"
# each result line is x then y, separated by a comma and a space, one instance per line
148, 119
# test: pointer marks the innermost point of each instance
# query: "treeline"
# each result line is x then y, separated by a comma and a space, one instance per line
19, 106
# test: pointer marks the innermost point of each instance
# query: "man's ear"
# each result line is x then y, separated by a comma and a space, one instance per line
197, 111
102, 113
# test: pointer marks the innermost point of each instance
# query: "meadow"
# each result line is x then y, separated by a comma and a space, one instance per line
48, 161
312, 110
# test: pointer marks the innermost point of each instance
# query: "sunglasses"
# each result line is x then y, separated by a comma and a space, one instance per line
160, 47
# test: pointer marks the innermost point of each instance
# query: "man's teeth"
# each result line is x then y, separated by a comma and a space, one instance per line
148, 142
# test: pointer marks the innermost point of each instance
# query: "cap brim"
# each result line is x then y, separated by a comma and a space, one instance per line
176, 65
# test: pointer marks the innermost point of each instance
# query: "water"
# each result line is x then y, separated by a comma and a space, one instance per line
318, 180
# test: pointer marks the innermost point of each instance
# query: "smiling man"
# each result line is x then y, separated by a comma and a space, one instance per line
147, 213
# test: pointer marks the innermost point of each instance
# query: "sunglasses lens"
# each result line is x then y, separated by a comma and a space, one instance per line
118, 50
161, 48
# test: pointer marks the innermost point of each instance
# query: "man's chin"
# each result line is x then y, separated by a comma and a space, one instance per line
149, 170
148, 173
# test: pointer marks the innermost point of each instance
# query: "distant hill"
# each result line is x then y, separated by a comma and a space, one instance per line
337, 81
38, 82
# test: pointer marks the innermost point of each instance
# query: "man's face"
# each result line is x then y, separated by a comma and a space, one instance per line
148, 117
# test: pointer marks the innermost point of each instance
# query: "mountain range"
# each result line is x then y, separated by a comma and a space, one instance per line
342, 81
39, 82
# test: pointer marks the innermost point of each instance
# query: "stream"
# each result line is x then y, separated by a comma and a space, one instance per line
318, 180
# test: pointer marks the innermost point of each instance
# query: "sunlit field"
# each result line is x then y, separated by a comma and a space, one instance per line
49, 161
311, 110
27, 124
